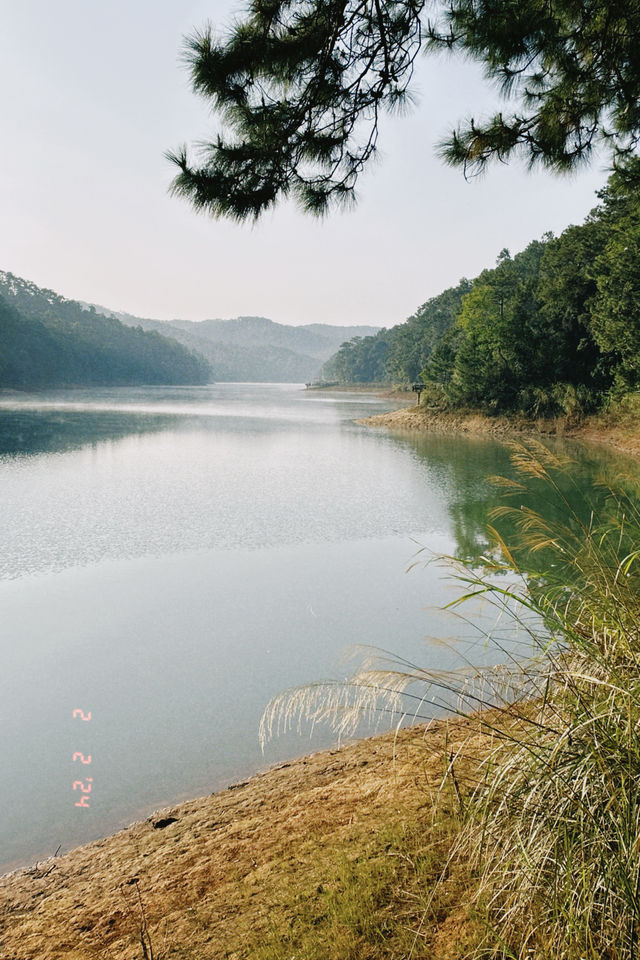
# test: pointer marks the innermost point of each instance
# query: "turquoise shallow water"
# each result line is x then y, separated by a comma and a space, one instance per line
173, 558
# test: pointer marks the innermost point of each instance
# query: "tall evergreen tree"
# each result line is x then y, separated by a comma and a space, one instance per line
615, 306
301, 86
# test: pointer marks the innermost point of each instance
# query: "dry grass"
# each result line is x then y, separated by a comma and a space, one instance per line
333, 856
553, 820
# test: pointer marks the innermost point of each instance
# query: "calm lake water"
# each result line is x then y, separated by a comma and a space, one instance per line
174, 557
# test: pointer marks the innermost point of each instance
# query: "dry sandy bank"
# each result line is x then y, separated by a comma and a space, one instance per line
217, 874
623, 437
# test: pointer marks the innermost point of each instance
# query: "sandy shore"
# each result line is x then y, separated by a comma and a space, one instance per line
214, 874
625, 438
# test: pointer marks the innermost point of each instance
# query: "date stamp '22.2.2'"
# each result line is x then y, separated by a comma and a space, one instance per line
82, 786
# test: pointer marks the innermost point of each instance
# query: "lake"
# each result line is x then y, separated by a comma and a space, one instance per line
172, 558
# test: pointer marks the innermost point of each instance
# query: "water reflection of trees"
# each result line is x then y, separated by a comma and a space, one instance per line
55, 431
461, 468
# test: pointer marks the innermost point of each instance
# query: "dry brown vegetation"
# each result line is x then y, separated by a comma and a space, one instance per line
619, 428
336, 855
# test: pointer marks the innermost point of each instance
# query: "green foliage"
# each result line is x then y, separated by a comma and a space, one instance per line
412, 343
301, 85
483, 367
503, 346
615, 313
486, 359
566, 288
554, 330
360, 360
570, 70
555, 823
47, 341
398, 355
553, 814
441, 364
623, 412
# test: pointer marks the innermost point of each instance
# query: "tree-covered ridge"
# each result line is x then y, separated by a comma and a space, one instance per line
49, 341
398, 355
231, 361
553, 328
253, 349
317, 340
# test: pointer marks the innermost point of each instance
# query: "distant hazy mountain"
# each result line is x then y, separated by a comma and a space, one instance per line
318, 340
254, 348
49, 341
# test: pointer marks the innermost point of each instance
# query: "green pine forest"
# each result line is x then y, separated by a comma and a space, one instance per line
48, 341
553, 330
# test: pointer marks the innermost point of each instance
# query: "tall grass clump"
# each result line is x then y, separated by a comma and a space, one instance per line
553, 809
555, 821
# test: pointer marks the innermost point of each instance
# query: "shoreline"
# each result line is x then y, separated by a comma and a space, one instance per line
592, 430
225, 857
232, 857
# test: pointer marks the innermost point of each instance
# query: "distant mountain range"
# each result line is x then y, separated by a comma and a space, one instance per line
253, 348
49, 340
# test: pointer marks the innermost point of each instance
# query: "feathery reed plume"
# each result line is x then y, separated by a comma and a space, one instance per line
553, 816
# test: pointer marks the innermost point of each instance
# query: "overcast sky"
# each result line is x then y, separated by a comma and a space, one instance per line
94, 93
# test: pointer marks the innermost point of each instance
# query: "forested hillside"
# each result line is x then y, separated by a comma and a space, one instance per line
555, 328
399, 354
229, 361
317, 340
48, 341
253, 348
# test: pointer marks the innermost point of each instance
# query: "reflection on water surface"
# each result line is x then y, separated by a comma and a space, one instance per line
173, 557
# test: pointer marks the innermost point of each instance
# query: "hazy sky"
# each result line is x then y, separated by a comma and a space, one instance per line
94, 93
